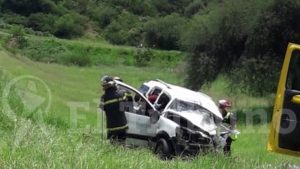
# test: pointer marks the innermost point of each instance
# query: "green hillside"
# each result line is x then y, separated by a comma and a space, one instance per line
52, 141
234, 38
75, 83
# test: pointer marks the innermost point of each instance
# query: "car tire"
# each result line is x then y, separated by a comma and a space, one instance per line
163, 149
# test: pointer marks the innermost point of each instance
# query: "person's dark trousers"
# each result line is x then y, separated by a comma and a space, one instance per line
117, 137
227, 148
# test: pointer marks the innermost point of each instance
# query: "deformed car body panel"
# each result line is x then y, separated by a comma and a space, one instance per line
185, 94
194, 130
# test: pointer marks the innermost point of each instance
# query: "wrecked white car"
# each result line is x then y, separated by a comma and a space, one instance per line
179, 121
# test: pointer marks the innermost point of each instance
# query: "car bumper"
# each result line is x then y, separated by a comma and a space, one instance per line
184, 147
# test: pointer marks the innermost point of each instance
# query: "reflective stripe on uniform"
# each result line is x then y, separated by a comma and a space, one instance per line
126, 95
234, 137
116, 100
112, 101
117, 128
228, 115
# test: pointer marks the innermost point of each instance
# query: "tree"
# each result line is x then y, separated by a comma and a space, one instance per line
265, 47
70, 25
219, 42
106, 16
121, 30
26, 7
164, 33
195, 7
42, 22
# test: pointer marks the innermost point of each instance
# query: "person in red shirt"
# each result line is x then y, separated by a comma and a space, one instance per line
152, 98
154, 95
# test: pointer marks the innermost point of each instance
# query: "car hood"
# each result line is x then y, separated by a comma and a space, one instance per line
197, 120
210, 105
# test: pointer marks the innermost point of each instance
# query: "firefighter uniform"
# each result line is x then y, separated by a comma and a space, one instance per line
116, 122
230, 120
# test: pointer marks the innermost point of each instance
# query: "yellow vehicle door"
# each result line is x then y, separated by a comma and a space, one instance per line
285, 128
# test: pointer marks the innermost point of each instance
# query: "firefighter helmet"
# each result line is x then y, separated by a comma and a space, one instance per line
224, 103
107, 81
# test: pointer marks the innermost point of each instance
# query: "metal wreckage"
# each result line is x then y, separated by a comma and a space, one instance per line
177, 122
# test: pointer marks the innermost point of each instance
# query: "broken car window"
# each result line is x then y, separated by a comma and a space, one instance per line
202, 116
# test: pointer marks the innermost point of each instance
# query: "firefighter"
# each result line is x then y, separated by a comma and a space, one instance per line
111, 102
230, 120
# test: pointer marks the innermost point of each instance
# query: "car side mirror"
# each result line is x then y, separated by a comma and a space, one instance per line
154, 116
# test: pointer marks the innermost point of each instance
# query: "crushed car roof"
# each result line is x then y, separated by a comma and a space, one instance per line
181, 93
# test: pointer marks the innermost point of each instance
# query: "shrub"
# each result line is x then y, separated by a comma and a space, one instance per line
255, 76
80, 6
167, 7
77, 59
46, 51
106, 16
142, 8
195, 7
113, 33
164, 33
134, 37
25, 7
4, 25
50, 51
70, 26
17, 38
42, 22
119, 31
14, 19
143, 56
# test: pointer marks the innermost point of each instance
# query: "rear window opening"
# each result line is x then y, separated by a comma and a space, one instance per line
144, 89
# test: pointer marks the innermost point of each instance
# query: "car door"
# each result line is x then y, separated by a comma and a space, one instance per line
285, 128
162, 101
137, 113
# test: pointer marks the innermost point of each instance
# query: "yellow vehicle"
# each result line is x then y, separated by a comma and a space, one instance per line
285, 128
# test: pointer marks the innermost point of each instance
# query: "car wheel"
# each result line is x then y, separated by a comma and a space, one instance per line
163, 149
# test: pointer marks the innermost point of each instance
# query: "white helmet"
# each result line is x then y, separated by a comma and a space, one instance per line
224, 103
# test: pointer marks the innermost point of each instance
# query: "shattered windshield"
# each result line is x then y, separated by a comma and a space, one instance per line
195, 113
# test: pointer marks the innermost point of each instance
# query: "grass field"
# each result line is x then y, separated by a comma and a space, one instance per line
29, 142
86, 52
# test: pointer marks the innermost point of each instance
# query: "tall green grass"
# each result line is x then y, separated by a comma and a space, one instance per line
49, 147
